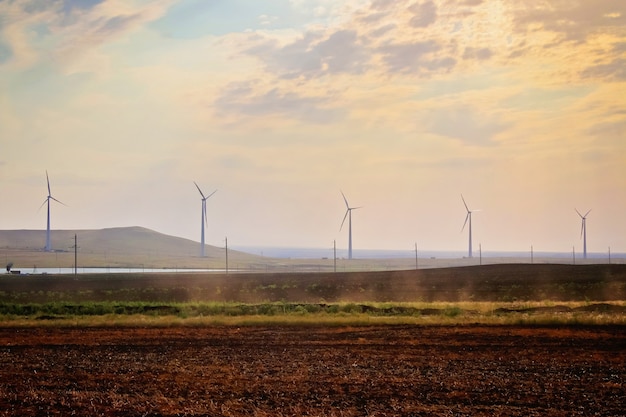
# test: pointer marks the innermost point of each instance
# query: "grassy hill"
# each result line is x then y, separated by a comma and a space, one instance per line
121, 246
118, 239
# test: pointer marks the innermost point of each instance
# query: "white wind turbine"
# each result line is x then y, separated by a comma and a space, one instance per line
349, 215
47, 200
203, 218
583, 231
468, 218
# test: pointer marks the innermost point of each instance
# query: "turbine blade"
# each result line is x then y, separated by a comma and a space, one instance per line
465, 204
581, 216
206, 219
52, 198
199, 190
207, 197
48, 181
587, 213
345, 199
469, 213
344, 219
582, 227
43, 204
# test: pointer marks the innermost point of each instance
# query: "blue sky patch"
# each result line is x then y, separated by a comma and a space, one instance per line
197, 18
5, 53
70, 5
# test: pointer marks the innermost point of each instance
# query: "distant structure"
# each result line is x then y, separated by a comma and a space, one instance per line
468, 219
203, 218
349, 215
48, 247
583, 231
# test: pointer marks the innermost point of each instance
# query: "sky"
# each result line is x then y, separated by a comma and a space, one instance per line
405, 106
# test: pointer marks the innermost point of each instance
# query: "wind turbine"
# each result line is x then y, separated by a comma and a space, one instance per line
203, 218
349, 215
48, 247
468, 218
583, 231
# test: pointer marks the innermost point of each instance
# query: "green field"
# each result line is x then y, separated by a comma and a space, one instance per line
490, 293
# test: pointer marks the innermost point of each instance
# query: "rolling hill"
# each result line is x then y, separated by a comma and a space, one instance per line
120, 246
118, 239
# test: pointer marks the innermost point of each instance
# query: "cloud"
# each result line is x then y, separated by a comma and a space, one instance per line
609, 131
314, 54
472, 2
619, 47
415, 57
424, 14
63, 31
480, 54
377, 33
612, 71
373, 17
342, 52
243, 99
382, 4
574, 21
465, 124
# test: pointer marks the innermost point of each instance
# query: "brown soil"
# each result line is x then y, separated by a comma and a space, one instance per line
504, 282
315, 371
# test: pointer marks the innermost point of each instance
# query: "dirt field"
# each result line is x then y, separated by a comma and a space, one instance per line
315, 371
508, 282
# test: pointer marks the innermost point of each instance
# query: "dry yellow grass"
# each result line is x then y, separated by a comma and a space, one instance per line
463, 313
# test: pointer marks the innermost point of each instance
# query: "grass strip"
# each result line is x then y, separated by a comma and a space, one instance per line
283, 313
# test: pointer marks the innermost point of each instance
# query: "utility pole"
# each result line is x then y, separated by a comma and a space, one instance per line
609, 255
226, 240
75, 255
480, 253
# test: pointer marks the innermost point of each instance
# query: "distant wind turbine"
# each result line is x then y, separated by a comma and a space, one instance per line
203, 218
468, 218
349, 216
47, 200
583, 231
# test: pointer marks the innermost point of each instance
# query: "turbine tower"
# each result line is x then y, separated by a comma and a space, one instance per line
203, 218
583, 231
468, 218
349, 215
48, 247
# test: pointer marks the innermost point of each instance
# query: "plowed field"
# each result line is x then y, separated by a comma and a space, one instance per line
315, 371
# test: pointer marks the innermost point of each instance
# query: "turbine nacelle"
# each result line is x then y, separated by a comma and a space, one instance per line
202, 194
204, 199
204, 219
349, 216
348, 210
468, 219
583, 221
583, 230
469, 214
47, 200
581, 216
